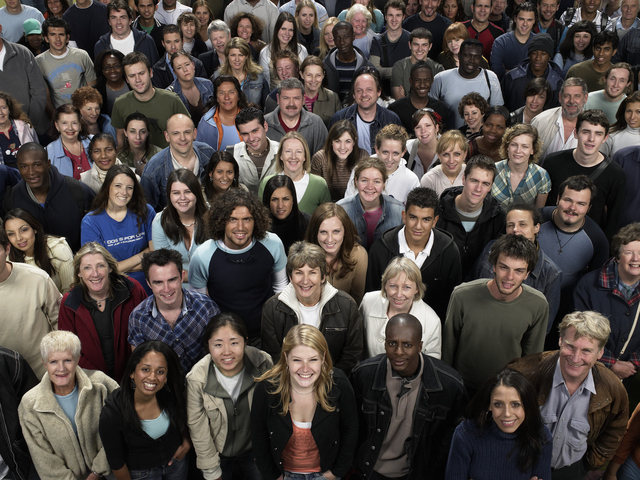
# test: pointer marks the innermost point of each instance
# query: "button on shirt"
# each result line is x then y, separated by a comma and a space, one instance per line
558, 142
566, 417
406, 252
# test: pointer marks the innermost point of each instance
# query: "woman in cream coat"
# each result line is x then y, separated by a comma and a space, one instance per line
59, 417
402, 292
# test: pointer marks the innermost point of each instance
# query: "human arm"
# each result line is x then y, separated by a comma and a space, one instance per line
359, 275
629, 444
497, 58
120, 137
51, 303
38, 92
63, 262
261, 437
460, 454
452, 329
352, 348
397, 90
533, 339
432, 333
133, 263
541, 200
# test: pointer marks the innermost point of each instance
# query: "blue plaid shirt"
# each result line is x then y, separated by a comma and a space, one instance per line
534, 182
147, 323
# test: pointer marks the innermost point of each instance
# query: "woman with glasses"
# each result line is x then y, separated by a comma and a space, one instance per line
110, 78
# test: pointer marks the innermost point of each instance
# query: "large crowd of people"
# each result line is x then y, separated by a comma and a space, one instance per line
319, 239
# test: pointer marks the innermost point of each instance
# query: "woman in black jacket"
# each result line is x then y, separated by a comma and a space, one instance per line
304, 417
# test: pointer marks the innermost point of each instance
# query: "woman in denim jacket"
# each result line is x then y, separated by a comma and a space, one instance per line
193, 91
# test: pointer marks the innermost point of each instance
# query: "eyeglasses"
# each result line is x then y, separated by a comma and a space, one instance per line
108, 68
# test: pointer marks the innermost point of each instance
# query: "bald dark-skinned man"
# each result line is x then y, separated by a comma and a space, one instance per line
390, 389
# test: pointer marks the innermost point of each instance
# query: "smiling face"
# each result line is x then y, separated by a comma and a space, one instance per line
94, 274
493, 129
452, 161
254, 135
90, 112
5, 116
226, 347
547, 9
394, 18
573, 205
237, 60
166, 285
188, 31
331, 236
343, 146
525, 22
219, 41
616, 84
632, 114
602, 55
370, 184
581, 40
292, 158
180, 134
413, 6
150, 375
227, 97
68, 125
470, 58
222, 176
365, 92
535, 103
34, 168
590, 138
136, 134
390, 152
359, 23
481, 11
307, 282
120, 24
629, 262
146, 9
454, 45
290, 103
305, 366
35, 41
426, 131
112, 69
306, 17
21, 235
61, 367
401, 293
184, 68
472, 117
402, 346
312, 76
520, 150
577, 356
285, 34
429, 8
419, 48
103, 154
245, 29
418, 223
285, 68
509, 273
182, 198
55, 6
421, 81
202, 14
239, 229
281, 203
506, 408
120, 191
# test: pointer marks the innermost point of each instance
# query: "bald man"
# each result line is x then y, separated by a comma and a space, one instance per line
183, 152
405, 397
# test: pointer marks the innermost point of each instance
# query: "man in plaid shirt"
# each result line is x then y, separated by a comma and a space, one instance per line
173, 315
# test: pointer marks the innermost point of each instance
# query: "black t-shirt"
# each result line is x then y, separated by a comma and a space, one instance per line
395, 51
405, 110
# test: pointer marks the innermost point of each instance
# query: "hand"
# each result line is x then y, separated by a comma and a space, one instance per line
328, 475
185, 276
180, 452
92, 476
535, 478
623, 369
402, 92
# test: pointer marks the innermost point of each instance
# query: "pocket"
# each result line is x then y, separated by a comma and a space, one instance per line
138, 474
577, 434
549, 420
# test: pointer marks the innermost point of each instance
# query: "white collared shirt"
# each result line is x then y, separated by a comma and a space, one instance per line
406, 252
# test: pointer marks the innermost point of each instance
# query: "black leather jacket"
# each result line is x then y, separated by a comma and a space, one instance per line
441, 400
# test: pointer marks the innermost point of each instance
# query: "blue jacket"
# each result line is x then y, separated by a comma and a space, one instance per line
104, 123
55, 152
391, 216
515, 81
208, 130
384, 117
142, 42
157, 171
204, 86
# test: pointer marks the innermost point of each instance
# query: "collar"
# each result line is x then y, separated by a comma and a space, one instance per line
404, 246
155, 312
587, 384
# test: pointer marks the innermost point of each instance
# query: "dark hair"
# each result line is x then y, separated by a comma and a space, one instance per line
536, 216
275, 42
216, 158
566, 47
419, 65
498, 110
367, 70
171, 397
594, 117
137, 205
460, 15
97, 137
623, 66
421, 33
136, 57
133, 117
213, 101
227, 319
343, 259
514, 246
170, 220
171, 28
483, 163
282, 181
248, 114
472, 99
606, 37
624, 236
15, 108
422, 197
227, 203
335, 132
155, 2
117, 5
524, 7
181, 53
4, 240
63, 3
470, 42
67, 109
257, 25
530, 435
397, 4
621, 121
161, 258
41, 251
99, 63
536, 86
55, 22
578, 183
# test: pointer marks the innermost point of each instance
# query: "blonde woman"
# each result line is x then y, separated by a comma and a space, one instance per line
360, 18
326, 37
304, 400
452, 151
377, 19
308, 29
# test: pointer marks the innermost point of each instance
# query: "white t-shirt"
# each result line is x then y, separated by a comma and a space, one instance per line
125, 46
310, 315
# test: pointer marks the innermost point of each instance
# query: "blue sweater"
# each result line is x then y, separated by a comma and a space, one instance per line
488, 454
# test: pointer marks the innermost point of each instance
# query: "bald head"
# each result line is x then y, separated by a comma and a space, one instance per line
403, 343
180, 134
407, 322
179, 119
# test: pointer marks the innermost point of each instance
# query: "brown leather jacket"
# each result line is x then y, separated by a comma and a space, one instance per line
608, 408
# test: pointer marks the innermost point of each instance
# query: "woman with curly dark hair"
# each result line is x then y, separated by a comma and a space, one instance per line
121, 221
249, 27
452, 9
471, 109
110, 78
217, 127
243, 264
496, 120
503, 436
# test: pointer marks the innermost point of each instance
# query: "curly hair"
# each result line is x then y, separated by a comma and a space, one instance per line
517, 130
15, 108
227, 203
84, 95
626, 235
473, 99
257, 25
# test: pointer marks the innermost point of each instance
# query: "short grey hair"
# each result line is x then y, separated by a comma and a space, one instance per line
218, 26
290, 84
574, 82
355, 8
59, 341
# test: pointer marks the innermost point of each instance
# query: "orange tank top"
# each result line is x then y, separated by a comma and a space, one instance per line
301, 454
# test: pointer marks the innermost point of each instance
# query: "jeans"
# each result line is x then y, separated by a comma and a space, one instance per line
176, 471
243, 464
629, 470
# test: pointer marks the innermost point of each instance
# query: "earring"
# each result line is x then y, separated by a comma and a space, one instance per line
488, 415
132, 384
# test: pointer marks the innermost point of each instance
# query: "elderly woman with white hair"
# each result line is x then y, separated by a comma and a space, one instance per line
360, 18
59, 416
402, 292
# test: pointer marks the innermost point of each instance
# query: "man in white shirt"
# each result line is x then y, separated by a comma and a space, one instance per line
169, 10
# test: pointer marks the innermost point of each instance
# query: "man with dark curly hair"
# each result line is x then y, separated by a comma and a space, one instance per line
243, 264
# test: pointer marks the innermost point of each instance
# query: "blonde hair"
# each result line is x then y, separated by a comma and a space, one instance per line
279, 376
324, 48
451, 139
399, 265
59, 341
517, 130
588, 324
307, 155
310, 4
251, 68
94, 248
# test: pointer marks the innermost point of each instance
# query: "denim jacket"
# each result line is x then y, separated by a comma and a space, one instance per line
391, 216
55, 152
204, 86
157, 171
256, 90
383, 117
440, 401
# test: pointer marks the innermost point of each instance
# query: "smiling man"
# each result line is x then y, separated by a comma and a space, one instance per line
393, 391
501, 311
583, 403
480, 27
429, 18
592, 127
618, 81
588, 10
392, 45
183, 152
433, 250
605, 47
511, 48
243, 264
172, 315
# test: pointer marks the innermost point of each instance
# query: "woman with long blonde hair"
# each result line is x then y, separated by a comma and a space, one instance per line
326, 37
320, 428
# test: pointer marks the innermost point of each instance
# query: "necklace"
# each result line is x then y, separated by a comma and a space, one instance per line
558, 236
99, 302
300, 393
190, 225
262, 153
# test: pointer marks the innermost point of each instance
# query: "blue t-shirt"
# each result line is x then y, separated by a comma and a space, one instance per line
69, 405
121, 239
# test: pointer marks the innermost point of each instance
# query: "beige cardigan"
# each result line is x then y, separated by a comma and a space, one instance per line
56, 451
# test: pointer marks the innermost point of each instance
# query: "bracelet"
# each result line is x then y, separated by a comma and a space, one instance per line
97, 475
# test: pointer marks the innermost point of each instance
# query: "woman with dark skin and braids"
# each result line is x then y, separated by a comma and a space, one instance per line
249, 28
504, 430
287, 221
